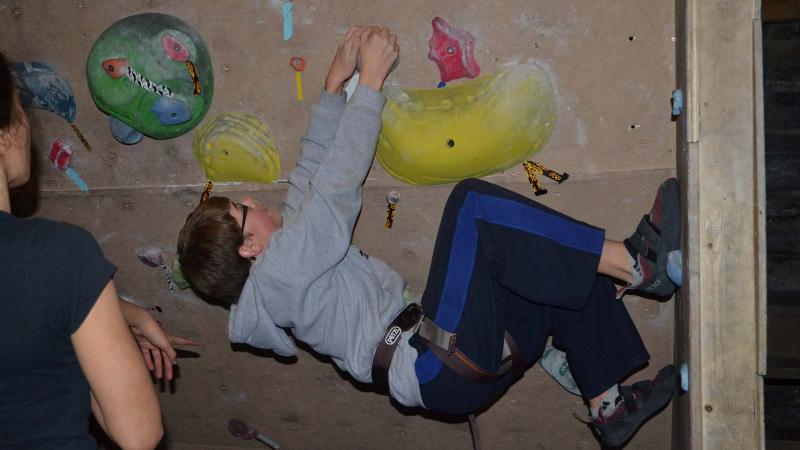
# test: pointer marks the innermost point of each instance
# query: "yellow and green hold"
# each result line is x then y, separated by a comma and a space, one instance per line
471, 129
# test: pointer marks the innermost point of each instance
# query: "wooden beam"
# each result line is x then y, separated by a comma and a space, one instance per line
784, 334
780, 10
721, 167
759, 225
686, 321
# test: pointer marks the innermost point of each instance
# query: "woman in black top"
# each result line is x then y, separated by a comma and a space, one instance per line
66, 341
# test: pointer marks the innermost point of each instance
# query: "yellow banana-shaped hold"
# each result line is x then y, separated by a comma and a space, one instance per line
473, 129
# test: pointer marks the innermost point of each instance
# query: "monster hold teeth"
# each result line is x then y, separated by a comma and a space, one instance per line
119, 67
146, 84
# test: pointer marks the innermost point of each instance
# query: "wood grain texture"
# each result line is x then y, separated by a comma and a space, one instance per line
780, 10
726, 246
613, 63
306, 403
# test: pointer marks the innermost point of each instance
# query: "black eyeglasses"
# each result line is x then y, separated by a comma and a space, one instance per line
243, 209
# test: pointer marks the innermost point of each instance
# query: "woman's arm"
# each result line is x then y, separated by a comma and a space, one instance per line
125, 402
155, 344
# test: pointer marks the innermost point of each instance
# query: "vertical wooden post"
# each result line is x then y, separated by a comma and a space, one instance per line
721, 308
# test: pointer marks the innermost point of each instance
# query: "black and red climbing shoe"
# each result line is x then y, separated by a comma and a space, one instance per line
658, 233
640, 402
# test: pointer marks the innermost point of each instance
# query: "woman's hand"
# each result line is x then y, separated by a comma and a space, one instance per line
378, 52
344, 62
155, 344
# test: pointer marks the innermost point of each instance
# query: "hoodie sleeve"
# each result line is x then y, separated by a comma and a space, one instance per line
250, 323
318, 236
322, 125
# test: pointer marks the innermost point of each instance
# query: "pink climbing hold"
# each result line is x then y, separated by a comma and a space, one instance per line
453, 50
174, 49
60, 154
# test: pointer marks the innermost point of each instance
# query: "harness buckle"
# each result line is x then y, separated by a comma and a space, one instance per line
451, 347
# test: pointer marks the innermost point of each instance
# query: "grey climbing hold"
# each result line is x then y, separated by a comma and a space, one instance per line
675, 267
677, 102
684, 371
393, 198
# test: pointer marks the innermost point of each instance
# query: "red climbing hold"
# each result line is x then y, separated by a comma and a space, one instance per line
452, 49
60, 154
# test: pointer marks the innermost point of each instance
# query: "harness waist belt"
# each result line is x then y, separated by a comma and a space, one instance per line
408, 317
443, 344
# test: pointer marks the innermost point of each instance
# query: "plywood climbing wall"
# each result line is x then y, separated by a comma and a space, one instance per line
612, 66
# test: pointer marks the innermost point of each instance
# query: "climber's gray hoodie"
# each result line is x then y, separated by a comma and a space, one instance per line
310, 278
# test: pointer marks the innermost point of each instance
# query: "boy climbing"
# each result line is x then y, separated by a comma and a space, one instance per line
506, 274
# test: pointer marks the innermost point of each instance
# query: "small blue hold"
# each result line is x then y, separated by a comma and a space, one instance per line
171, 111
123, 133
441, 84
675, 267
684, 371
677, 102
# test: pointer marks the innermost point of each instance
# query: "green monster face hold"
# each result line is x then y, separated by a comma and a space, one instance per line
152, 75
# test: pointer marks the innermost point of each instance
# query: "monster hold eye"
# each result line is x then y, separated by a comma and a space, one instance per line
178, 52
116, 67
174, 48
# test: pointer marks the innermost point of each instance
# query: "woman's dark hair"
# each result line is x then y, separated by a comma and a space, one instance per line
6, 94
